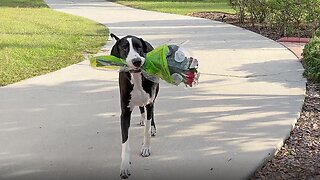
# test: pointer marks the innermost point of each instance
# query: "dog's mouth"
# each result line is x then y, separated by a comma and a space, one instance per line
135, 64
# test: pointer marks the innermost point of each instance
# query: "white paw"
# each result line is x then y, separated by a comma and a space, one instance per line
125, 170
145, 151
153, 131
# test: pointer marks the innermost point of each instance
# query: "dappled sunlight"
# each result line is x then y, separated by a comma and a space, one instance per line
223, 126
231, 123
12, 156
81, 116
259, 144
42, 124
103, 89
165, 158
12, 129
39, 109
218, 109
286, 72
109, 114
283, 122
201, 129
210, 151
21, 173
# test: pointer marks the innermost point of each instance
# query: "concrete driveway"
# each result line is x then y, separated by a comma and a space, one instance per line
65, 125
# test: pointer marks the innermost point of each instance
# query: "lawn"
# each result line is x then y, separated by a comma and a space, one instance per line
180, 6
35, 40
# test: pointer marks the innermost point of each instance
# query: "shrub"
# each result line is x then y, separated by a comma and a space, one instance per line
313, 15
256, 9
239, 7
311, 60
290, 15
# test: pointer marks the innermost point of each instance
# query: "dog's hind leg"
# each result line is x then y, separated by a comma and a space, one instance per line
153, 126
145, 151
143, 115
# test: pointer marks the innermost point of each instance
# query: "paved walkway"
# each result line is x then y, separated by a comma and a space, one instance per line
65, 125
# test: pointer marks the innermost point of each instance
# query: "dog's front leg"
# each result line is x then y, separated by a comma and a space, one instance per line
145, 151
125, 155
143, 115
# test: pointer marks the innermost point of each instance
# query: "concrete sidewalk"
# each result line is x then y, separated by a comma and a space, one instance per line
65, 125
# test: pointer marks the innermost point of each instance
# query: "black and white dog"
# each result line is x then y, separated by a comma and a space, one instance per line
135, 90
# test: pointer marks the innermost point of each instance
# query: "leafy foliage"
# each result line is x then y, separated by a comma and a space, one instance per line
257, 9
289, 16
311, 59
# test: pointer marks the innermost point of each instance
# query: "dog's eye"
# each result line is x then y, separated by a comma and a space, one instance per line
139, 47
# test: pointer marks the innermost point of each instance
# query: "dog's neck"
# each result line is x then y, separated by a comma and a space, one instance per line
136, 79
139, 97
134, 71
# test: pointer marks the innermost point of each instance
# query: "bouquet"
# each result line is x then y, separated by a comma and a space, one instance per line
167, 62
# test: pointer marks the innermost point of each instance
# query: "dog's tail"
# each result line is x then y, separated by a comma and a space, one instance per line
114, 36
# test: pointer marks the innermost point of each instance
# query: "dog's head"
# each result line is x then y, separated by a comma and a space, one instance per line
132, 49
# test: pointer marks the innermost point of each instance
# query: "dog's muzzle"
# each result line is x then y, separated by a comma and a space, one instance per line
137, 62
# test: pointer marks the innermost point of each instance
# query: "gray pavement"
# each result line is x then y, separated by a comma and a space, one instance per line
65, 124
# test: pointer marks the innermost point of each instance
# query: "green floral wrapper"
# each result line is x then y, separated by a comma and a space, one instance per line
166, 62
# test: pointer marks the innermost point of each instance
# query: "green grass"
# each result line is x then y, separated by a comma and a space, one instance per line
23, 3
35, 40
180, 6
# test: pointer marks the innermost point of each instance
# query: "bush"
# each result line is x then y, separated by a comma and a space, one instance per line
256, 9
290, 15
239, 7
311, 60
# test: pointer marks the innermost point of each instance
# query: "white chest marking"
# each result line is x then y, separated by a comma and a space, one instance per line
138, 96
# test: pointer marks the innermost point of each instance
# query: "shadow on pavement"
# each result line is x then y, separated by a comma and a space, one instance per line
71, 130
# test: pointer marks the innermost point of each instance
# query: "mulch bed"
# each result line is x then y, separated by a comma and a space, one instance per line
299, 158
266, 30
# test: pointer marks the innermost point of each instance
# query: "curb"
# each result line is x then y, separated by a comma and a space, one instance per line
296, 50
294, 44
294, 40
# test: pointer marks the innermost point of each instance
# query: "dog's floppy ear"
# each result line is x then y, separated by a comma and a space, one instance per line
146, 46
115, 50
114, 36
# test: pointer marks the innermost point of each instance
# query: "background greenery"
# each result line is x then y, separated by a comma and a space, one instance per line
311, 59
287, 17
35, 40
290, 17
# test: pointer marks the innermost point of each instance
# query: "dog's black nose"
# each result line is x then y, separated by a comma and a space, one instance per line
136, 62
